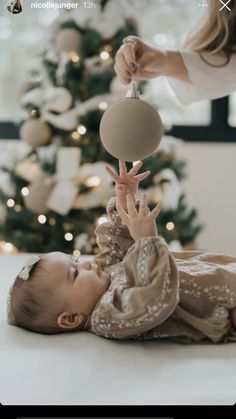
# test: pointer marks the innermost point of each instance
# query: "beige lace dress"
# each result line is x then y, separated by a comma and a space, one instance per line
155, 293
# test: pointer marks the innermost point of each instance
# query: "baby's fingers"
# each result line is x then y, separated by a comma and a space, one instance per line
142, 175
143, 205
131, 207
123, 215
113, 174
156, 210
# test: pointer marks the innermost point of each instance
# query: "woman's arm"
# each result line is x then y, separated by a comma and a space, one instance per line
192, 76
138, 60
210, 77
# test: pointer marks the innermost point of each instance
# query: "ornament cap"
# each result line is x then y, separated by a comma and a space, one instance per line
133, 92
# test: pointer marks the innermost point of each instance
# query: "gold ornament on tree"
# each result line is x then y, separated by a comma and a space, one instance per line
68, 45
35, 132
39, 192
131, 129
68, 40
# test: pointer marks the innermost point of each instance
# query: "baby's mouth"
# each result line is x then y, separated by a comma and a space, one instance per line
98, 272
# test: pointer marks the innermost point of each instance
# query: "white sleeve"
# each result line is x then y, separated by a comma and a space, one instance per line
207, 82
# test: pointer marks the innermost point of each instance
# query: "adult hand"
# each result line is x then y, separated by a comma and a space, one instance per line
137, 60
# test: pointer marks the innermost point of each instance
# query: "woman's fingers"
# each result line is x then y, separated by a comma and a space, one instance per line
123, 215
129, 55
123, 80
142, 175
130, 207
121, 66
113, 174
141, 74
156, 210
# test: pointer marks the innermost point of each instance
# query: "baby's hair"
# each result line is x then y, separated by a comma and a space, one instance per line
33, 306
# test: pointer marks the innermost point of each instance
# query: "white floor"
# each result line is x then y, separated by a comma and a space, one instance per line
82, 368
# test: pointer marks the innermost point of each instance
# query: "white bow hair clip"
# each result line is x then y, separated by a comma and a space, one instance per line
25, 271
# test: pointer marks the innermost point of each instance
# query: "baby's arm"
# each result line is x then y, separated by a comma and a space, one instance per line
151, 290
113, 237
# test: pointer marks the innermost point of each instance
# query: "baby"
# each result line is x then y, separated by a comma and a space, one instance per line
135, 288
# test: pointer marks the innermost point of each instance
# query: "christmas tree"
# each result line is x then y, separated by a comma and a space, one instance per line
59, 188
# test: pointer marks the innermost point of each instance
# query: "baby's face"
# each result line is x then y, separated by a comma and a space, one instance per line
79, 284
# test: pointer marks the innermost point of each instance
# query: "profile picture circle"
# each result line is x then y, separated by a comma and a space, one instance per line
14, 6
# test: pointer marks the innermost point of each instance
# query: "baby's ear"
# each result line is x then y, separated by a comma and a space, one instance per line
67, 320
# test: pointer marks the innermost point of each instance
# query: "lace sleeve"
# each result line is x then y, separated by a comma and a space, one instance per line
113, 238
149, 296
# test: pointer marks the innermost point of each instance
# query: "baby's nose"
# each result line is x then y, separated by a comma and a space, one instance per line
87, 265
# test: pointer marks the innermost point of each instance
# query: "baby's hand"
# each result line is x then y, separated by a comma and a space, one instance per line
142, 223
126, 183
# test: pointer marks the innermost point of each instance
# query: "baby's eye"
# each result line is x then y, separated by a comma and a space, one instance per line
76, 273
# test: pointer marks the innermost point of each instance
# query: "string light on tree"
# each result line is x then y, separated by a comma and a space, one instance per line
93, 181
102, 220
75, 135
7, 248
103, 106
104, 55
42, 219
76, 252
81, 129
74, 57
67, 226
18, 208
10, 203
25, 191
68, 237
156, 197
52, 221
170, 226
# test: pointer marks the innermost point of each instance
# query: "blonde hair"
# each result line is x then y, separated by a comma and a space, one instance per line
218, 34
33, 306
